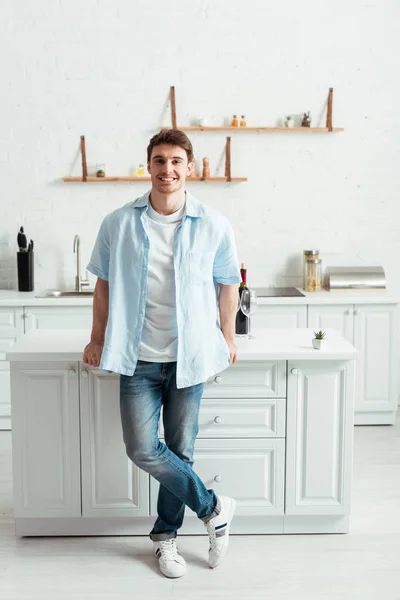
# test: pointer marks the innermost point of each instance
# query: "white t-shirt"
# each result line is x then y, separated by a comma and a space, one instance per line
159, 341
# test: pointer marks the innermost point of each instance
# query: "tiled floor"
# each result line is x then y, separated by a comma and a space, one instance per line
363, 565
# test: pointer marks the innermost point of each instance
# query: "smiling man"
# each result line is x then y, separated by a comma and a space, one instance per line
164, 318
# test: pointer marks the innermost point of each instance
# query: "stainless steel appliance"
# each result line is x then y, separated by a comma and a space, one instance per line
354, 278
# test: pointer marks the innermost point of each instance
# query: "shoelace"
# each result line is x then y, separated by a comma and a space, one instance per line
168, 549
211, 534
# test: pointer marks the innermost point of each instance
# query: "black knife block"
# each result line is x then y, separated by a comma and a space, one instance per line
25, 264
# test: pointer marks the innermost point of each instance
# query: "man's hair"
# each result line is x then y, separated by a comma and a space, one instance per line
173, 137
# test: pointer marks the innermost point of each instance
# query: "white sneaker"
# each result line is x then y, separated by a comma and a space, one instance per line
218, 531
170, 562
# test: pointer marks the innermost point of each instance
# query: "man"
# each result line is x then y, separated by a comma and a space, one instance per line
165, 264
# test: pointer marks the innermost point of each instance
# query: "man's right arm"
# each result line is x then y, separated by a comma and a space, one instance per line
93, 351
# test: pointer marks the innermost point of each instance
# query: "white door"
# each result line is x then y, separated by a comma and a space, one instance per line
284, 316
251, 471
45, 436
111, 484
332, 316
319, 437
375, 337
58, 317
11, 328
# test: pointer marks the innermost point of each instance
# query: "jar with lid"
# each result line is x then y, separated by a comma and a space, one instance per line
307, 255
314, 275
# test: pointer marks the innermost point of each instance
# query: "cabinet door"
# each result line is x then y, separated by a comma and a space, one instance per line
280, 316
329, 316
45, 435
11, 328
376, 338
58, 317
251, 471
319, 437
111, 484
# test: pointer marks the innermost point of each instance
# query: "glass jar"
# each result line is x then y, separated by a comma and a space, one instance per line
140, 170
313, 275
308, 255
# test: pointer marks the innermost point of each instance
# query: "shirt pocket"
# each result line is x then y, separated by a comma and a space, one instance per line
201, 268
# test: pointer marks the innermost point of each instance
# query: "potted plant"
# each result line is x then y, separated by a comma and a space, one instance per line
289, 121
319, 340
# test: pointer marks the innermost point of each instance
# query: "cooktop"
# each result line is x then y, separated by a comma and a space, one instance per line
269, 292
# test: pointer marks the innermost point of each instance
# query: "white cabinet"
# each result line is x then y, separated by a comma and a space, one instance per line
251, 471
112, 486
46, 439
376, 338
58, 317
286, 316
373, 329
11, 328
319, 438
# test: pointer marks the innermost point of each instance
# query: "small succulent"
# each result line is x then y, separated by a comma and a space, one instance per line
319, 335
288, 118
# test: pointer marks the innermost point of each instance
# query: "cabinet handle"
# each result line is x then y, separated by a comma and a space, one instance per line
217, 478
294, 371
218, 420
85, 374
357, 311
218, 379
350, 311
26, 315
71, 372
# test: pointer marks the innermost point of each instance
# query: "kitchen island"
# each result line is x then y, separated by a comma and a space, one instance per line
275, 432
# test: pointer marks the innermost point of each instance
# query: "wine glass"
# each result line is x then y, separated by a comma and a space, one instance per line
249, 305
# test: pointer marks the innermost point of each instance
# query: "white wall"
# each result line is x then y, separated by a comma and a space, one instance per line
104, 69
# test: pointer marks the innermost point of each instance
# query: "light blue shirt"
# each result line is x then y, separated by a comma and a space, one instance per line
204, 256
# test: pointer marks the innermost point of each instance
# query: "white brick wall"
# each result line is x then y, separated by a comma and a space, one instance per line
103, 69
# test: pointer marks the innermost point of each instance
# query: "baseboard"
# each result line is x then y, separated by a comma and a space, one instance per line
252, 525
375, 418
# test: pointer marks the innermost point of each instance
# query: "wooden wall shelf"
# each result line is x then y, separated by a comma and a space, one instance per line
88, 178
286, 129
329, 128
135, 179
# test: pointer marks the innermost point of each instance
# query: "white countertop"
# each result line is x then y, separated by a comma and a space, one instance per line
14, 298
268, 344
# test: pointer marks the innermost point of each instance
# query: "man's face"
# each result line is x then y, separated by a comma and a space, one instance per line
168, 168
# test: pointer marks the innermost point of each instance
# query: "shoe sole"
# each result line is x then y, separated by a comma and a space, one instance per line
231, 515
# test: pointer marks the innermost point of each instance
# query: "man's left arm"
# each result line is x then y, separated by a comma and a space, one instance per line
228, 301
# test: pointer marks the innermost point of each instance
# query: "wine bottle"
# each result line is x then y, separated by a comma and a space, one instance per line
242, 322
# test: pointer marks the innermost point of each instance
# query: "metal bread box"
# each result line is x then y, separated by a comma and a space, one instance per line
354, 278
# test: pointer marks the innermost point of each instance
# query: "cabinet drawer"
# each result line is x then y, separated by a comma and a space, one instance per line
249, 379
251, 471
241, 418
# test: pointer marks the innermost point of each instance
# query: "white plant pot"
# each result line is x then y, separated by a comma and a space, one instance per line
318, 344
289, 123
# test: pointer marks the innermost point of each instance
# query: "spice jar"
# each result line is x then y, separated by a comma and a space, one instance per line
243, 121
308, 254
314, 275
235, 121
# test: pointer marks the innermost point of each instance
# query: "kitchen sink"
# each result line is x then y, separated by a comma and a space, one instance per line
65, 293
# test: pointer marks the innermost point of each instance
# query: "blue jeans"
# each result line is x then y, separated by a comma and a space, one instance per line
152, 386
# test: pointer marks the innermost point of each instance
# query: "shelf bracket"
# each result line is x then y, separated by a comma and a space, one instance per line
228, 159
329, 111
83, 153
173, 107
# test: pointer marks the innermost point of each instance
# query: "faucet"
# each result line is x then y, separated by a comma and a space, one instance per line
79, 282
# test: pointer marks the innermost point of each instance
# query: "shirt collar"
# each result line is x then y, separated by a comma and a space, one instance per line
193, 206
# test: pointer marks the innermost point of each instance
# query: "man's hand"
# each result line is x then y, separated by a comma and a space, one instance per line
232, 349
92, 353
